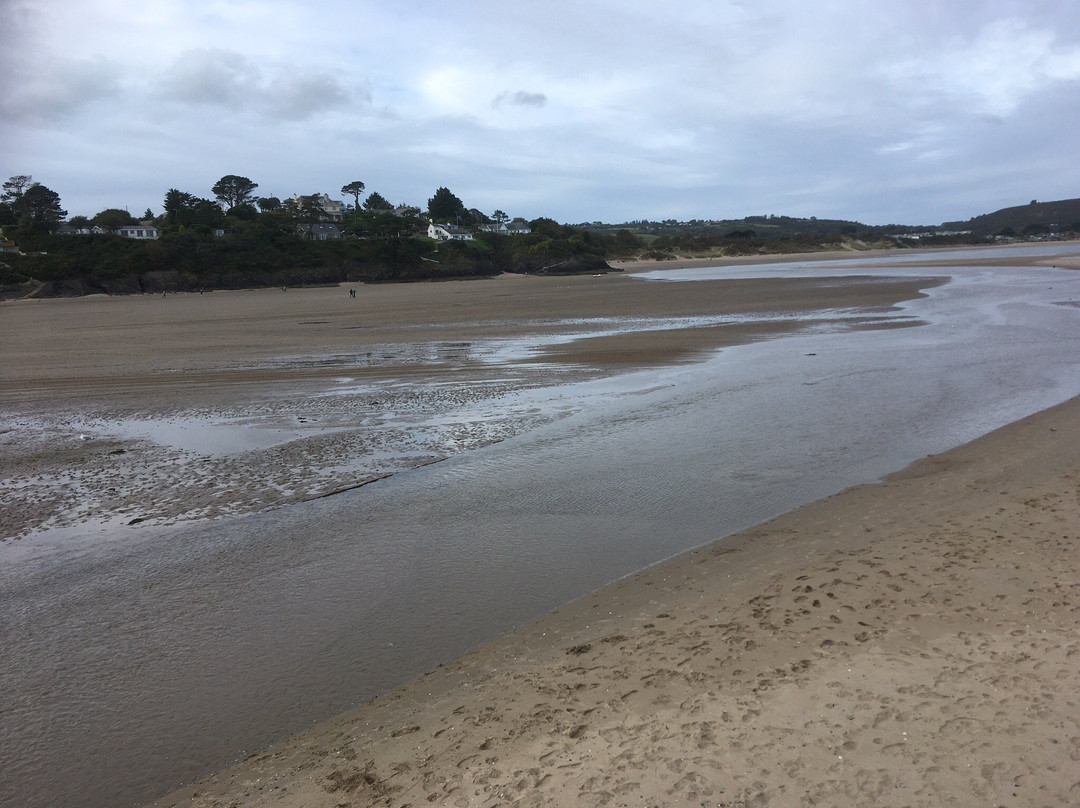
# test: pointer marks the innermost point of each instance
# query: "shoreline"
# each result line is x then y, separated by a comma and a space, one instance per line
909, 640
935, 257
167, 418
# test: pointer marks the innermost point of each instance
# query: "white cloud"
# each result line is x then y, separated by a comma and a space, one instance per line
993, 69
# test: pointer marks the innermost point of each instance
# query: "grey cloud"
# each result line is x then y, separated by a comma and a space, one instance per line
230, 79
296, 97
521, 98
218, 77
53, 91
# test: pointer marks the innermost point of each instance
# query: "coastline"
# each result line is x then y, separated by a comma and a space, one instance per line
284, 353
912, 641
938, 253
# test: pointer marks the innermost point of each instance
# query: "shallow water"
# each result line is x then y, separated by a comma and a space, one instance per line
155, 659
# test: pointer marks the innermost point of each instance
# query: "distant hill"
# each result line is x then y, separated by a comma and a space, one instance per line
1035, 218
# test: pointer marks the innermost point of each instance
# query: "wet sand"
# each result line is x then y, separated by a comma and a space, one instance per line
339, 391
913, 642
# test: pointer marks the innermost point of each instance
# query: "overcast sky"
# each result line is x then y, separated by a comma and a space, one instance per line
913, 112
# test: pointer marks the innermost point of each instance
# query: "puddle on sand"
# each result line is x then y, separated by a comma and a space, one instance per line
214, 438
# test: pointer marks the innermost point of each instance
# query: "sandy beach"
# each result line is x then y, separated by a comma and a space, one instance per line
910, 643
914, 642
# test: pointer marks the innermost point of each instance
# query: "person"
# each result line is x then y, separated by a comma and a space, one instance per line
352, 293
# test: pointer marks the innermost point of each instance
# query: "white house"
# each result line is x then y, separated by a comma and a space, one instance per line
518, 227
138, 231
448, 232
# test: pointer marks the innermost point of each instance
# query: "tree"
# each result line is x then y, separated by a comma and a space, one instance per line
377, 202
497, 238
112, 218
178, 205
310, 209
42, 205
548, 228
187, 210
206, 215
354, 189
245, 212
304, 209
269, 204
12, 197
232, 190
148, 214
15, 187
626, 241
395, 231
445, 207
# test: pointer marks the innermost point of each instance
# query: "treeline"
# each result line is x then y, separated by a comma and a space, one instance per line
264, 250
257, 253
747, 241
238, 240
775, 234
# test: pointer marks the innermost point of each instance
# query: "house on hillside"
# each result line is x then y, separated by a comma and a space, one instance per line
144, 232
320, 231
332, 209
518, 227
448, 232
84, 230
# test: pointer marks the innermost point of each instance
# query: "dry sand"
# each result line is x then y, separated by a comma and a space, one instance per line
914, 642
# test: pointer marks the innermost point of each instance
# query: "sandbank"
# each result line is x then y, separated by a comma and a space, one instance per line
340, 390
